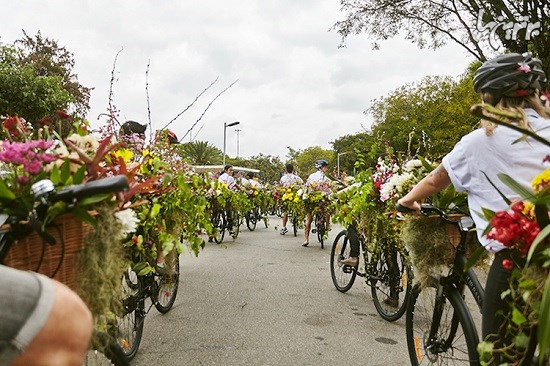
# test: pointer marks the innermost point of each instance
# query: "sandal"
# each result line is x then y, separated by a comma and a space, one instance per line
305, 244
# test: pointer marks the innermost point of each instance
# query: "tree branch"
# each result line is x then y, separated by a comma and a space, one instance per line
207, 107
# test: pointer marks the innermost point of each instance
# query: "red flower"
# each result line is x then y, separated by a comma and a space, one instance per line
507, 264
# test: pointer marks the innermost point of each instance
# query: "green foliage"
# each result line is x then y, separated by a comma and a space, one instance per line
350, 147
429, 116
432, 24
26, 94
305, 160
200, 153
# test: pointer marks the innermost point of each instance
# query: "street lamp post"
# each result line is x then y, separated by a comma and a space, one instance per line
225, 125
237, 130
338, 161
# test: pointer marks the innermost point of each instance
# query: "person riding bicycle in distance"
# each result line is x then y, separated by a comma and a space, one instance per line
227, 178
287, 180
510, 82
316, 177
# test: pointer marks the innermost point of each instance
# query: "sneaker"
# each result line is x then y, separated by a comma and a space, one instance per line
283, 231
305, 244
351, 261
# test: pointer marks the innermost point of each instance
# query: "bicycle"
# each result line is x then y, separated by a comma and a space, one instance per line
387, 272
439, 326
104, 348
252, 217
320, 226
220, 223
160, 288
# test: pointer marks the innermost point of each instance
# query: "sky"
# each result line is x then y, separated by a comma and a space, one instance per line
293, 86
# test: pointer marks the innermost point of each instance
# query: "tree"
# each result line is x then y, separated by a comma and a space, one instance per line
48, 59
26, 94
305, 160
518, 26
200, 153
428, 117
349, 146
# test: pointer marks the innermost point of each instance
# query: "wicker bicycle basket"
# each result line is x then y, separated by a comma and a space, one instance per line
58, 261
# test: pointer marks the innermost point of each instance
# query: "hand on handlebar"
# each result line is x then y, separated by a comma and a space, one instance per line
408, 207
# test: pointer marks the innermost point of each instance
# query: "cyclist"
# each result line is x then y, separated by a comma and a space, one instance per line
42, 322
227, 178
510, 82
315, 178
287, 180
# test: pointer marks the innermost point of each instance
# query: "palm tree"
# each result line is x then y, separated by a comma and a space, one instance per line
200, 153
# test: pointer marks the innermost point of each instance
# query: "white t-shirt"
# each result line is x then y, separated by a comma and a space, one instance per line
227, 179
477, 153
289, 179
318, 176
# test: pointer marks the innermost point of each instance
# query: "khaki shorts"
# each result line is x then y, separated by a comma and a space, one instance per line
26, 300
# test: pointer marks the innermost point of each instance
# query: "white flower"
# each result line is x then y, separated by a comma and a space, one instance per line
128, 219
413, 164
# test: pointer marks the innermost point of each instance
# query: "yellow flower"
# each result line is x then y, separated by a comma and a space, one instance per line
528, 209
125, 154
541, 181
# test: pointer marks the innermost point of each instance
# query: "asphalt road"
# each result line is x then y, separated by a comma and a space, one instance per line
263, 299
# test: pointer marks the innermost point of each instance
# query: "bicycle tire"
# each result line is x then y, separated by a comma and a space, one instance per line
108, 355
251, 220
295, 225
320, 229
168, 283
130, 325
237, 226
219, 222
390, 290
343, 277
456, 339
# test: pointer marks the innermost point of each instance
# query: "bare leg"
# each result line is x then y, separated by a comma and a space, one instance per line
64, 339
285, 219
307, 228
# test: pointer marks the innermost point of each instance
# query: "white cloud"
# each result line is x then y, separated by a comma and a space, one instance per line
295, 86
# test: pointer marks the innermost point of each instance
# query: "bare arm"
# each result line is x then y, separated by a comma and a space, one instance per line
434, 182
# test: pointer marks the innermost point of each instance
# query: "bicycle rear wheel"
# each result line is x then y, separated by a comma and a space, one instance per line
130, 325
440, 329
391, 284
251, 220
320, 226
295, 225
168, 283
343, 277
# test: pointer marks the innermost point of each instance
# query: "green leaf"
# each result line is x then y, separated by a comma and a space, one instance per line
84, 216
55, 176
94, 199
65, 171
518, 317
525, 193
474, 258
543, 332
78, 176
540, 237
498, 190
5, 192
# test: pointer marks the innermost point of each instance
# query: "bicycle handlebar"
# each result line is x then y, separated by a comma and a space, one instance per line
425, 209
78, 191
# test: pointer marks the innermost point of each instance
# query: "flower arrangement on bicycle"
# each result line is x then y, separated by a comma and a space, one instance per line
291, 201
524, 230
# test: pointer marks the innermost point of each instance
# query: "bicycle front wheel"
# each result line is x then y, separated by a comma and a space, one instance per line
295, 225
343, 276
440, 329
168, 283
391, 284
219, 222
101, 354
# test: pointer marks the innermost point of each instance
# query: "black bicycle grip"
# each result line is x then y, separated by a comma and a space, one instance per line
78, 191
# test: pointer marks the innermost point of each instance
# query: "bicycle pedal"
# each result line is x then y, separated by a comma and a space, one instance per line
347, 269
